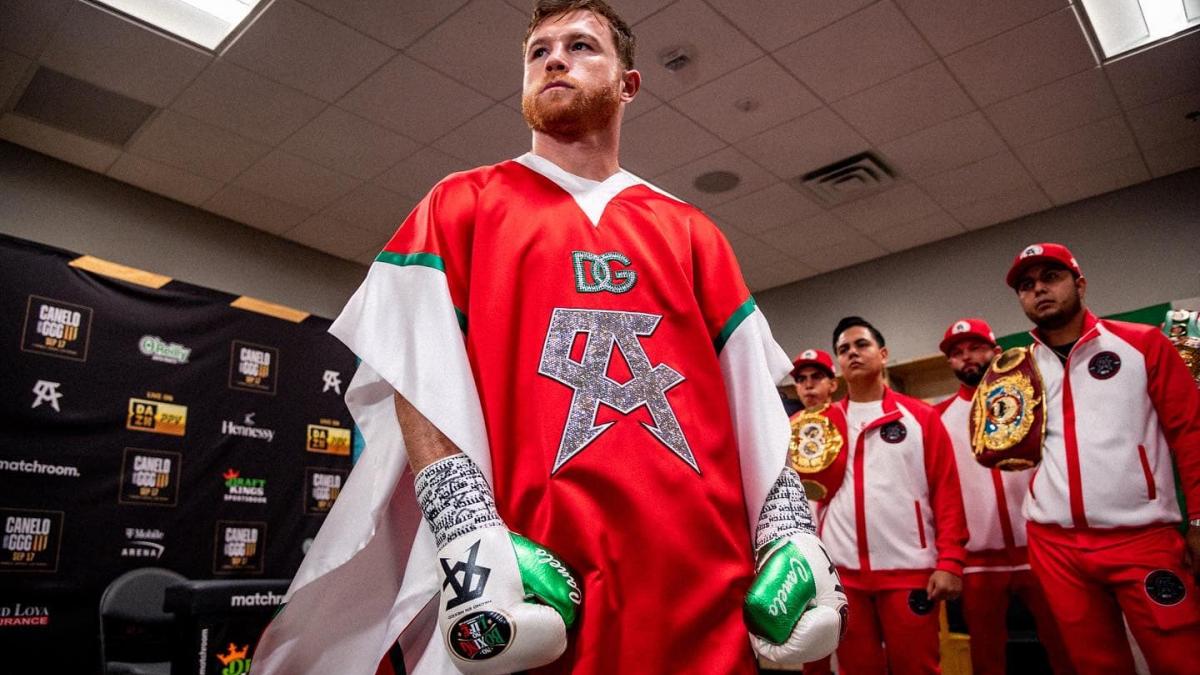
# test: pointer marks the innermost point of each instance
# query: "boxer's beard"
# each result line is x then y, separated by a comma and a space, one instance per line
972, 378
588, 110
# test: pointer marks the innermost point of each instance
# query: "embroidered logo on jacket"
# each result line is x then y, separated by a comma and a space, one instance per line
1104, 365
893, 432
1165, 587
603, 331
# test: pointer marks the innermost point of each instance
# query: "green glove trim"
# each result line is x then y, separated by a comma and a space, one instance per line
783, 590
547, 579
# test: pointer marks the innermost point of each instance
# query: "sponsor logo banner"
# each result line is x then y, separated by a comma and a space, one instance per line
45, 391
248, 428
253, 367
162, 351
328, 438
35, 467
262, 599
157, 415
31, 540
144, 543
17, 614
234, 660
239, 488
239, 547
321, 488
57, 328
149, 477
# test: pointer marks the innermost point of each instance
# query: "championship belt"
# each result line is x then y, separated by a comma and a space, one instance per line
1183, 330
1008, 414
815, 452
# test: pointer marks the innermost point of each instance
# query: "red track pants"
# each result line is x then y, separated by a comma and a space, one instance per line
985, 607
1091, 576
888, 617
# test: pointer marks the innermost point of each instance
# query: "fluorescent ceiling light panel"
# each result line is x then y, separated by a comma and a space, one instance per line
1125, 25
203, 22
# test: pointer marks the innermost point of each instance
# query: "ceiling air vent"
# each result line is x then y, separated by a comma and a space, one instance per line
848, 179
82, 108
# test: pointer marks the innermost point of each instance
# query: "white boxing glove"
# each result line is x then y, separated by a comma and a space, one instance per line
506, 602
796, 608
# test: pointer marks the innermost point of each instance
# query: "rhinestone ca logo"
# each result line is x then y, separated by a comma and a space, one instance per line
603, 278
606, 331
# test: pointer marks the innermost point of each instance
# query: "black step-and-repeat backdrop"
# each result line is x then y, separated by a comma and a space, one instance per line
143, 426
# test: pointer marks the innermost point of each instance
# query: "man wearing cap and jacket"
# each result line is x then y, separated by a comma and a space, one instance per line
895, 529
1121, 411
997, 565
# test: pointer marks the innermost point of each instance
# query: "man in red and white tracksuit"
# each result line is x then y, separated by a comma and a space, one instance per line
997, 565
895, 529
1122, 415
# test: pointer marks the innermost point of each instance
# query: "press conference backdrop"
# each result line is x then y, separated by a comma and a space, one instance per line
150, 426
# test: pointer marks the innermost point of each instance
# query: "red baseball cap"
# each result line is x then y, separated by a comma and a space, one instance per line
967, 328
1041, 253
813, 357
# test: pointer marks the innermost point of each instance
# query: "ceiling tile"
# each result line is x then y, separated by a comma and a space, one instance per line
933, 227
775, 23
347, 143
644, 102
767, 209
1023, 58
202, 149
494, 136
162, 179
50, 141
910, 102
119, 55
1079, 149
663, 139
1166, 120
950, 26
818, 230
1007, 205
415, 175
761, 278
1053, 108
1097, 179
255, 210
945, 146
386, 98
974, 182
855, 250
1156, 73
236, 99
1175, 156
282, 175
370, 207
305, 49
14, 71
863, 49
335, 237
37, 18
396, 24
902, 203
797, 147
680, 181
715, 46
770, 94
632, 11
752, 251
482, 27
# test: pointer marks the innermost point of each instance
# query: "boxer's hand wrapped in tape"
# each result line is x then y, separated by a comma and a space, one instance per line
506, 602
796, 609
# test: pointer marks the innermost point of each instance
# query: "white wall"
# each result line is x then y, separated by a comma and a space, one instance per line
1137, 247
55, 203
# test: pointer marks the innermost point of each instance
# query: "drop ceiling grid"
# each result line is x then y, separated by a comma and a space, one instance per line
412, 160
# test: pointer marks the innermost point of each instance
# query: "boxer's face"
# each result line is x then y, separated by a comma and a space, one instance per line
574, 82
858, 355
814, 386
1050, 295
969, 358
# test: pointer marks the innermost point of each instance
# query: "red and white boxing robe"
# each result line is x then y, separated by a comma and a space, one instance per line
593, 348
